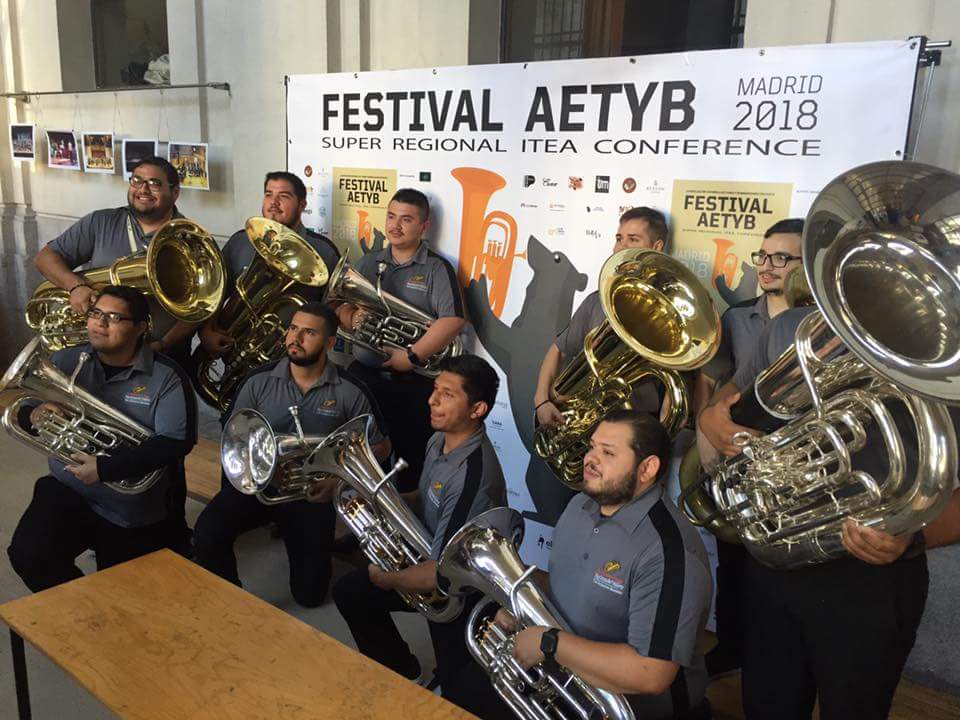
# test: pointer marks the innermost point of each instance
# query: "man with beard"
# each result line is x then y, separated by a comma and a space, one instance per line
326, 398
461, 479
743, 324
101, 237
411, 271
73, 509
630, 576
284, 200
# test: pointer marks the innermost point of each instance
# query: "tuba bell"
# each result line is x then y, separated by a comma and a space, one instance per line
88, 425
390, 322
257, 314
181, 268
390, 535
873, 365
259, 461
482, 556
659, 320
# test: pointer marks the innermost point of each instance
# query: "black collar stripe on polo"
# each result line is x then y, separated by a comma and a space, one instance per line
679, 694
265, 368
667, 619
471, 486
350, 377
322, 240
190, 398
454, 285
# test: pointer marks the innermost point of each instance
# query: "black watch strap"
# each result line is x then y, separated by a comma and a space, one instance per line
412, 357
548, 644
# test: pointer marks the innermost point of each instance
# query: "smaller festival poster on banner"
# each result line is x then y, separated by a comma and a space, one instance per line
718, 223
98, 156
360, 199
190, 160
23, 141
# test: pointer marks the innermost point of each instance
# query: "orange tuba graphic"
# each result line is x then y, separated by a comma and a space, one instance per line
724, 262
483, 252
364, 231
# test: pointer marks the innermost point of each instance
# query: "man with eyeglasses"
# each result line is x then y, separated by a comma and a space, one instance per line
101, 237
743, 324
73, 508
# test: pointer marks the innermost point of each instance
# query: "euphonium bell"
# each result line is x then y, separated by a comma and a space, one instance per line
182, 268
659, 320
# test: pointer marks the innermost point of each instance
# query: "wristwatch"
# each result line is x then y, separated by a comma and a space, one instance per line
548, 645
412, 357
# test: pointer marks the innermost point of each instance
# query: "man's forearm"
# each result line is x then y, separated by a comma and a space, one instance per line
616, 667
548, 372
945, 528
178, 333
419, 578
55, 269
440, 334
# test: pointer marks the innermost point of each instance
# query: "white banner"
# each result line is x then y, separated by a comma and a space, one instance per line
528, 167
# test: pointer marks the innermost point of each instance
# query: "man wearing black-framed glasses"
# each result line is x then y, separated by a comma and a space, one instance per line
743, 324
73, 508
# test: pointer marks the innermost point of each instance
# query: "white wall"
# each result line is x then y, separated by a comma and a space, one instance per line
796, 22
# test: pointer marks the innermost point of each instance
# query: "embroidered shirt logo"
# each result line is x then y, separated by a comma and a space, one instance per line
417, 282
328, 407
434, 493
607, 579
138, 396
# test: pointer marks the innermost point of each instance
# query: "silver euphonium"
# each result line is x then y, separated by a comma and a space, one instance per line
391, 536
259, 461
483, 557
870, 369
390, 322
87, 425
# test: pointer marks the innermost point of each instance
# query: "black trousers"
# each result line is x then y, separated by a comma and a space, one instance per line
840, 632
58, 525
367, 608
306, 529
731, 561
403, 399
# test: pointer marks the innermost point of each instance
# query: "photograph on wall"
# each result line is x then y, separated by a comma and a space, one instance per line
190, 160
22, 141
718, 223
98, 152
360, 199
134, 151
62, 152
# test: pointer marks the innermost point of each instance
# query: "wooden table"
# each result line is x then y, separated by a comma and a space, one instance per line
159, 637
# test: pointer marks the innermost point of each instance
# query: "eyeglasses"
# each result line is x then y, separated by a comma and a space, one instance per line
778, 260
154, 183
112, 318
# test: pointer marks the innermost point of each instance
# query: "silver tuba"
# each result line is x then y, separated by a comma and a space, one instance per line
390, 322
390, 534
88, 425
259, 461
483, 556
872, 367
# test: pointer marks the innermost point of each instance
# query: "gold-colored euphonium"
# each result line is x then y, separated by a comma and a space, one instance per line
659, 320
87, 425
390, 534
182, 268
480, 254
259, 311
482, 556
259, 461
863, 387
390, 322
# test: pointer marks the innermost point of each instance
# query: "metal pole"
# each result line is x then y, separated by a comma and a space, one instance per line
25, 95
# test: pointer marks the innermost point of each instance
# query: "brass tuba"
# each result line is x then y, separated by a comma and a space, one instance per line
88, 425
870, 368
390, 322
181, 267
660, 320
483, 557
390, 534
259, 461
257, 314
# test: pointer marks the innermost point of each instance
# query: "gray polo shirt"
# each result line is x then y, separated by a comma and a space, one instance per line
101, 237
239, 252
639, 577
426, 281
776, 337
334, 399
646, 397
741, 326
155, 392
457, 486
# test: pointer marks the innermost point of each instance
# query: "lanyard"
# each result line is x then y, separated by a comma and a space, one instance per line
130, 235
